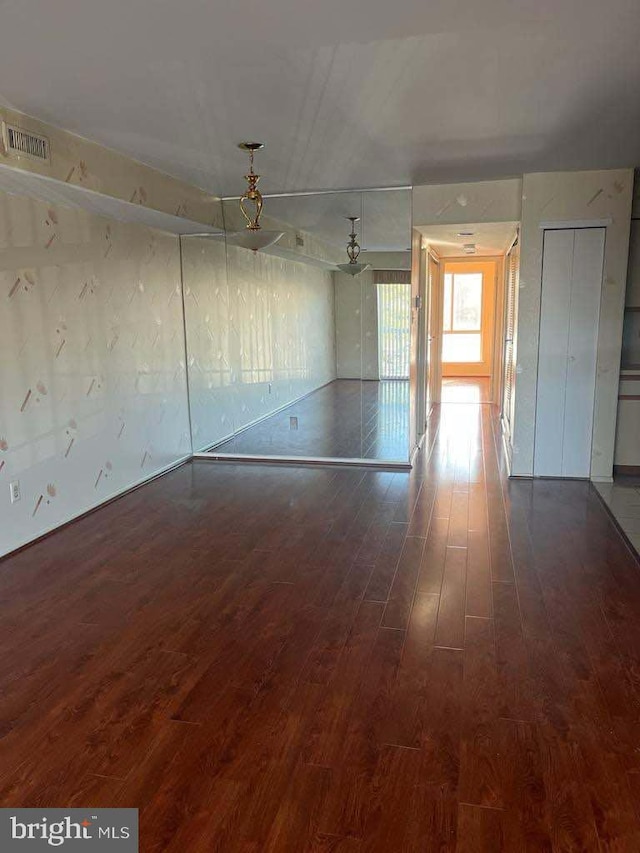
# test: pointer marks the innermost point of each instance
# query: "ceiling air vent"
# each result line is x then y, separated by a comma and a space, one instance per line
25, 144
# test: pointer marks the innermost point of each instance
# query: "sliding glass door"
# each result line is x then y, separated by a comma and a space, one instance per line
394, 317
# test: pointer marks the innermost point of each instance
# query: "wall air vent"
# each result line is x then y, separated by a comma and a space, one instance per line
22, 143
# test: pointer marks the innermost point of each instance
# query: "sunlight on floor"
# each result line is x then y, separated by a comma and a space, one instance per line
465, 390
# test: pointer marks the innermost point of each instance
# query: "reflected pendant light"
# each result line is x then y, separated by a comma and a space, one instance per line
353, 250
254, 236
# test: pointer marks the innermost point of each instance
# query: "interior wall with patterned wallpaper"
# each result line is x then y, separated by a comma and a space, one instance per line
91, 362
356, 326
260, 334
78, 162
471, 202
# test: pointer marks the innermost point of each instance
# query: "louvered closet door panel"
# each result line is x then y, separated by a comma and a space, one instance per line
554, 345
586, 288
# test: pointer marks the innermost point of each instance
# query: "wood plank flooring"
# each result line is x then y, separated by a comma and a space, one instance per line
345, 419
294, 659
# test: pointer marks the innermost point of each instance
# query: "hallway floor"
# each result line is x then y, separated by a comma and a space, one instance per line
466, 389
346, 419
273, 658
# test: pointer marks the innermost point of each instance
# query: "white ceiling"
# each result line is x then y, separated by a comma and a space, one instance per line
365, 93
385, 217
491, 238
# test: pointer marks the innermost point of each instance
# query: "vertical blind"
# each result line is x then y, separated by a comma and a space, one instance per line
394, 319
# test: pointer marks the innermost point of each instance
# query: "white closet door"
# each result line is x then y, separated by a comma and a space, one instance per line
586, 289
570, 312
554, 344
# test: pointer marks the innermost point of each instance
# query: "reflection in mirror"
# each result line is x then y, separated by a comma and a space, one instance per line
287, 356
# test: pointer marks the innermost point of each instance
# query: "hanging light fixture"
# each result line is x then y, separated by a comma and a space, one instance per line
353, 250
254, 236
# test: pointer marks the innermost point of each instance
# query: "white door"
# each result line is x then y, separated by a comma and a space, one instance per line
569, 316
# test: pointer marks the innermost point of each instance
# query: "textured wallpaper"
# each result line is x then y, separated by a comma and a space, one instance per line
260, 334
356, 326
459, 204
86, 164
92, 375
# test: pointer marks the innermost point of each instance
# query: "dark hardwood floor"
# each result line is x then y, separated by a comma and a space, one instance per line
297, 659
346, 419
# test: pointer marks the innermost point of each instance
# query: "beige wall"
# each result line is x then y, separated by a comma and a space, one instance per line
92, 375
459, 204
388, 260
85, 164
356, 326
260, 334
628, 428
564, 197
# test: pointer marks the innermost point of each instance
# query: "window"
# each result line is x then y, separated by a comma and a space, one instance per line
462, 317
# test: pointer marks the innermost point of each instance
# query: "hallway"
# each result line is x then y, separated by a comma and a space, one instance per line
274, 658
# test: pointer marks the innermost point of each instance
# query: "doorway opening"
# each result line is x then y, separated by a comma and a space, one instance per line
469, 292
468, 318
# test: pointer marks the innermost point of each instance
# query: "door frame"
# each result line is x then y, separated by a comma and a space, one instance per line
429, 343
506, 418
422, 394
416, 433
434, 323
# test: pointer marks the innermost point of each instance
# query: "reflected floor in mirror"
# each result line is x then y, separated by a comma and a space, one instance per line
345, 419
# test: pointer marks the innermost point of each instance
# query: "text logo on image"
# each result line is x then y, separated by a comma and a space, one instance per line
80, 830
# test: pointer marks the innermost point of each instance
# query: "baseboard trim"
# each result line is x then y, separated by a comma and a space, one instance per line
320, 461
208, 448
95, 507
627, 470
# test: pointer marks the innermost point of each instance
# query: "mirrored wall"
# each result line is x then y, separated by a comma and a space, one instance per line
289, 356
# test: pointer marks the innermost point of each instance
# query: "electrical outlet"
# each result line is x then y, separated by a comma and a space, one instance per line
14, 489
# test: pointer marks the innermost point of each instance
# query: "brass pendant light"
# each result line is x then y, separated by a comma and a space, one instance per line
353, 250
254, 236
